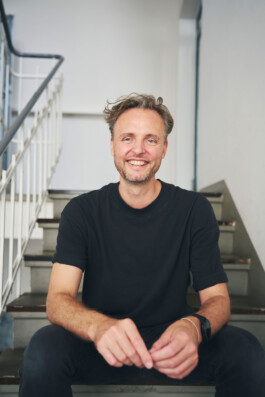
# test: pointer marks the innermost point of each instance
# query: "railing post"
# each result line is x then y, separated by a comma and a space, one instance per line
2, 237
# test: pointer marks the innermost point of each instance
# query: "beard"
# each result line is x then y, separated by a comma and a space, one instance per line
136, 180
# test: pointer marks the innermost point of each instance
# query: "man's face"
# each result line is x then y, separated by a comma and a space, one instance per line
138, 145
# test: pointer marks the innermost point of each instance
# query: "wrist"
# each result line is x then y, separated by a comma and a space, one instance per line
193, 324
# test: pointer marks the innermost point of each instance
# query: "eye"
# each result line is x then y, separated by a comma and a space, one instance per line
151, 141
127, 139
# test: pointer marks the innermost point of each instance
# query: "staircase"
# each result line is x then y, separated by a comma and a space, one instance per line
28, 311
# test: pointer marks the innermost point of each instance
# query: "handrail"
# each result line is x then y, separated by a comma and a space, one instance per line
21, 117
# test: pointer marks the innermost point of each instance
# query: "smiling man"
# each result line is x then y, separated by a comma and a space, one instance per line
137, 242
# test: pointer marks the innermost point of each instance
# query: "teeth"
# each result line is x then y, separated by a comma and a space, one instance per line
135, 162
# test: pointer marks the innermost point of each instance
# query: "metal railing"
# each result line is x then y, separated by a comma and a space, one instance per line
32, 144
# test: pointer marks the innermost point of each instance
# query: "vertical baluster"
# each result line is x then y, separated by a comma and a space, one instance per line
40, 158
11, 225
34, 149
20, 208
45, 142
2, 237
27, 215
6, 95
2, 74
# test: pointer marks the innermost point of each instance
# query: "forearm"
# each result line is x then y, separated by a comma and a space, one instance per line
69, 313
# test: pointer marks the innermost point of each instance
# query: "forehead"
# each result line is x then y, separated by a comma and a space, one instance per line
141, 121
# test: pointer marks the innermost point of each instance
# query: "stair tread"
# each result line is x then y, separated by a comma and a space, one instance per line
48, 220
39, 256
36, 302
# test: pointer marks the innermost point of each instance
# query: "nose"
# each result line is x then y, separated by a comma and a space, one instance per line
138, 147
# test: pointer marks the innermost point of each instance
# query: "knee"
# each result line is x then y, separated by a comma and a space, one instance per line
44, 353
241, 348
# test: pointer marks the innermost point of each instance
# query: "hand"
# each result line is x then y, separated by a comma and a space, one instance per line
120, 343
175, 353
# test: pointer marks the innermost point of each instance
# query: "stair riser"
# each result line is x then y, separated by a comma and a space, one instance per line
24, 328
237, 285
217, 208
49, 239
40, 278
126, 391
226, 242
58, 206
237, 282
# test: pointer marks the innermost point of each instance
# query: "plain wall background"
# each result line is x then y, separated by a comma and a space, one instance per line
232, 107
111, 48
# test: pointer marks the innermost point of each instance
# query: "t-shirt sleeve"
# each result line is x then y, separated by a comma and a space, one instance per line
71, 248
205, 260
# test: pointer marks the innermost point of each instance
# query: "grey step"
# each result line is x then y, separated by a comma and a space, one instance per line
62, 197
40, 270
237, 269
28, 312
216, 200
226, 239
40, 265
50, 231
11, 360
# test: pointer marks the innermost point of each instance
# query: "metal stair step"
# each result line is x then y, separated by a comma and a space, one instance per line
29, 315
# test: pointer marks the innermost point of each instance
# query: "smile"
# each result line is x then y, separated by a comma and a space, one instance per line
137, 162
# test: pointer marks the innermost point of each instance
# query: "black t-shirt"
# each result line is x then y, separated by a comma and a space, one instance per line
137, 261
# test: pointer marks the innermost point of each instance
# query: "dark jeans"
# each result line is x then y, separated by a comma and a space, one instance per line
55, 359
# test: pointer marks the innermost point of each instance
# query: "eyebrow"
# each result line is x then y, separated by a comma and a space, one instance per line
150, 135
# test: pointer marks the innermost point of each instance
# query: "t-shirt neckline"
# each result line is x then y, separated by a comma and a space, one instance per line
126, 207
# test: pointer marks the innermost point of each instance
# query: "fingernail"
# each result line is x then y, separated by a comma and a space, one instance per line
149, 365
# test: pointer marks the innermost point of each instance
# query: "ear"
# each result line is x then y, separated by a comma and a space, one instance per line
111, 147
165, 149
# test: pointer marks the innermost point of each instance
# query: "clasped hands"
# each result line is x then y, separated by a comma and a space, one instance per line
174, 354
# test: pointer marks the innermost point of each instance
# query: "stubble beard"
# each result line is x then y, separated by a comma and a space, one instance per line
140, 181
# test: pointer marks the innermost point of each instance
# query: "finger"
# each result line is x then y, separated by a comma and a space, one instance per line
177, 359
111, 359
129, 350
167, 352
180, 371
139, 346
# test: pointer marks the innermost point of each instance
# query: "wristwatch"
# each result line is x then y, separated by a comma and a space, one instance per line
205, 327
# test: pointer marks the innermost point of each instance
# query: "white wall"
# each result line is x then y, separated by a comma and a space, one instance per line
186, 104
231, 107
111, 48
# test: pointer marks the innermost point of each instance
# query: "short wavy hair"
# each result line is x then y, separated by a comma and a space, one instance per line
113, 110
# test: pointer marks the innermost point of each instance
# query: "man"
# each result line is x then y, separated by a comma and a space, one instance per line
137, 242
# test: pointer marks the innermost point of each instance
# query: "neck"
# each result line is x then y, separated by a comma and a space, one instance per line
139, 196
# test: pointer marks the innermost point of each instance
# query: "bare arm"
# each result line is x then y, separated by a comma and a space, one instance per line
118, 341
175, 353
